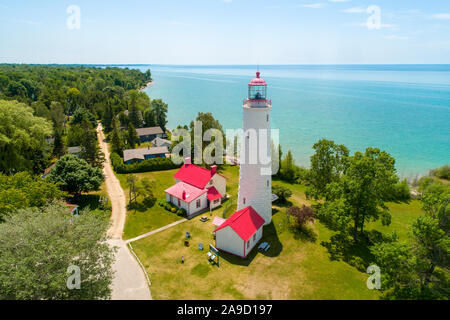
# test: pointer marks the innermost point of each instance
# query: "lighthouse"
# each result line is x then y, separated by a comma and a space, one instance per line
255, 176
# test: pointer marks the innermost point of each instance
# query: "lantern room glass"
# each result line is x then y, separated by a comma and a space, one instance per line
257, 92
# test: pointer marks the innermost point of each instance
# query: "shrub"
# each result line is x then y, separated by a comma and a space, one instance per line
301, 215
442, 172
283, 193
401, 192
155, 164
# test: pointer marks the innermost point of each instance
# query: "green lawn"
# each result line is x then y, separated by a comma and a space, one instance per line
144, 219
299, 265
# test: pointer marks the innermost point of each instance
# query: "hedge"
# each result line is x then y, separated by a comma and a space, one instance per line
155, 164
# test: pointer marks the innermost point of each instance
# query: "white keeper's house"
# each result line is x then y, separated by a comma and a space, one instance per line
239, 234
196, 188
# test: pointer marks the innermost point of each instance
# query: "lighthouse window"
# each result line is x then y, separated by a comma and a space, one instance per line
244, 200
267, 118
267, 182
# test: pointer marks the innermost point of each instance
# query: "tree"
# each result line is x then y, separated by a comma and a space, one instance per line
442, 172
359, 195
133, 189
301, 215
41, 244
80, 115
57, 115
132, 136
90, 150
134, 115
326, 167
75, 175
21, 135
160, 110
107, 119
288, 168
23, 190
283, 193
116, 139
73, 99
58, 145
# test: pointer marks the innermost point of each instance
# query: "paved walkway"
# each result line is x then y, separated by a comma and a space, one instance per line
156, 231
130, 282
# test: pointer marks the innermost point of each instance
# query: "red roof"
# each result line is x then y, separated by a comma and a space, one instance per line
257, 81
190, 192
244, 222
194, 175
213, 194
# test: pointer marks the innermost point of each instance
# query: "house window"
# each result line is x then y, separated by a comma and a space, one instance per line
267, 118
254, 237
244, 201
267, 182
171, 199
179, 204
198, 203
248, 244
216, 201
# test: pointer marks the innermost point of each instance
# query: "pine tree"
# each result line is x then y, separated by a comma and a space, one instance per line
131, 136
58, 145
116, 140
108, 116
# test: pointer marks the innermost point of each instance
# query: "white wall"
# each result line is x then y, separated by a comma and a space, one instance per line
255, 187
193, 206
228, 240
220, 183
253, 243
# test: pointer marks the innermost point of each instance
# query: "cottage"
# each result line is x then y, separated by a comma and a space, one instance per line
160, 142
138, 155
150, 133
205, 182
240, 233
187, 197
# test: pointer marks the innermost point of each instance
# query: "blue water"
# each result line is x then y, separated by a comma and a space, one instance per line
402, 109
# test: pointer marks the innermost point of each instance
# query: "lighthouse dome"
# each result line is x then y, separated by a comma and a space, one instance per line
257, 81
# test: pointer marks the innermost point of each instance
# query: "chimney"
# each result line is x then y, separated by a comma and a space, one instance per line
187, 161
184, 195
213, 170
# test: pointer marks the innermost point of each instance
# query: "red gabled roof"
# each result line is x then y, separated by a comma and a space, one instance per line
194, 175
244, 222
213, 194
190, 192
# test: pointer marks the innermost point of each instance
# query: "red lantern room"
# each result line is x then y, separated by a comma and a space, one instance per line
257, 88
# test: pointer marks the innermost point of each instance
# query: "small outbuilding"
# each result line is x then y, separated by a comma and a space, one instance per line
240, 233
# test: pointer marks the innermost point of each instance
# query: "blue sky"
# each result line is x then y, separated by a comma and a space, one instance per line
225, 32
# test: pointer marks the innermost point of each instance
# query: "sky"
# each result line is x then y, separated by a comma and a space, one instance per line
225, 31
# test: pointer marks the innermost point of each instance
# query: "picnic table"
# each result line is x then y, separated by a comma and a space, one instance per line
264, 246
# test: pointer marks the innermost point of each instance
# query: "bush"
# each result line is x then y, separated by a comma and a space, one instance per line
401, 192
442, 172
282, 193
155, 164
301, 215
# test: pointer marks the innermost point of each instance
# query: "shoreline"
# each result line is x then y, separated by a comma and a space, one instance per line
147, 85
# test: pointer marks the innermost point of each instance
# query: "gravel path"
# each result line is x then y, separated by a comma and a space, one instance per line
129, 281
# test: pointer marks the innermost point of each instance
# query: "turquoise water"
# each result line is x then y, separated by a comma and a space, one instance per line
404, 110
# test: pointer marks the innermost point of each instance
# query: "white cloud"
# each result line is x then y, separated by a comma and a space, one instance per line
313, 5
395, 37
355, 10
441, 16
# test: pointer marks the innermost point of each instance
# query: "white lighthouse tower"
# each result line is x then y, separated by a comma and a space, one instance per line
255, 177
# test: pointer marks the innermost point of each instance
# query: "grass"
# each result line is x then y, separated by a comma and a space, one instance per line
91, 201
143, 219
299, 265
